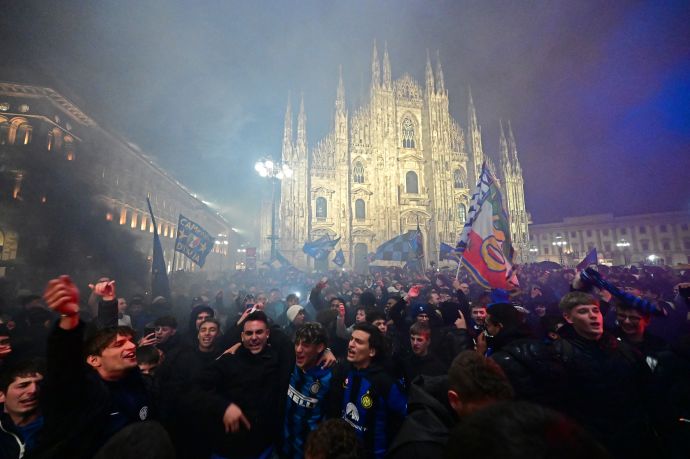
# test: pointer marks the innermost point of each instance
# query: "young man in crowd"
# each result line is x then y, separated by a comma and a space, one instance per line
421, 361
606, 379
86, 402
20, 409
308, 389
437, 403
367, 397
237, 395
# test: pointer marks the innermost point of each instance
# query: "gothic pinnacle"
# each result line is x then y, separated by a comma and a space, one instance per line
375, 69
386, 67
439, 74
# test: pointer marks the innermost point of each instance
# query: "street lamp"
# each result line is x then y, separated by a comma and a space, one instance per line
533, 253
560, 243
275, 172
623, 247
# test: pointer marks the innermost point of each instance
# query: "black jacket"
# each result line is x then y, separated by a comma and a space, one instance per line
606, 389
429, 418
534, 370
254, 382
81, 410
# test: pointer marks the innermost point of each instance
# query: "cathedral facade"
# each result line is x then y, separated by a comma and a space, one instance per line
397, 163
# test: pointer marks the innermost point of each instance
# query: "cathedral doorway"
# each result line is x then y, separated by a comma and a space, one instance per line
361, 263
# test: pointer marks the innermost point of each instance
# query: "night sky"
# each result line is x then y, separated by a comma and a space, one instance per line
598, 93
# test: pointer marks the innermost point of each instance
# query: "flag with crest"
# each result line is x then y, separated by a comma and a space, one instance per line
485, 243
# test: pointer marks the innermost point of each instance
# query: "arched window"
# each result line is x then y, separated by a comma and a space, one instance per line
358, 172
4, 130
411, 183
360, 210
407, 133
321, 208
459, 178
462, 213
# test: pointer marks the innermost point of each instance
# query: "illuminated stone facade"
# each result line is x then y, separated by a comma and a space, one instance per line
397, 162
42, 121
658, 238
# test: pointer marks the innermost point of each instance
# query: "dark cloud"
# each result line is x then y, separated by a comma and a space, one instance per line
597, 92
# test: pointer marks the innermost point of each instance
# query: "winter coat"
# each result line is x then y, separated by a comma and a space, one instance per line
429, 418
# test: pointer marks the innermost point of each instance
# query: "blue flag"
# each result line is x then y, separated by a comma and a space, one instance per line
400, 250
320, 248
280, 262
590, 259
339, 258
193, 241
159, 273
447, 252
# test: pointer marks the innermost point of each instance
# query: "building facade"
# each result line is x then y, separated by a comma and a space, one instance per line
397, 163
40, 122
657, 238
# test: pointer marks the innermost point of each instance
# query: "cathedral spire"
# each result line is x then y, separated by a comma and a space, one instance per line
439, 74
386, 67
505, 158
429, 74
340, 95
375, 69
512, 146
302, 130
475, 139
287, 130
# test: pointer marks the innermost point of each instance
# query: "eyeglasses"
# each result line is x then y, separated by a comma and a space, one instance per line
623, 317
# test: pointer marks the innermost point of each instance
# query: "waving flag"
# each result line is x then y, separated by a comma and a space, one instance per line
320, 248
193, 241
160, 286
590, 259
400, 250
447, 252
485, 244
339, 258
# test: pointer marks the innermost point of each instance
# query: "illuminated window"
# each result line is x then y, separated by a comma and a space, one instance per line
165, 230
17, 185
360, 210
358, 172
150, 227
408, 133
109, 216
123, 216
134, 219
459, 178
411, 183
462, 212
143, 222
321, 208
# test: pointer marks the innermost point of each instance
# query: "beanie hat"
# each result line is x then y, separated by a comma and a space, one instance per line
422, 308
292, 312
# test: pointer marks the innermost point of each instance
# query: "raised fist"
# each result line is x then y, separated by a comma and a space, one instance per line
62, 296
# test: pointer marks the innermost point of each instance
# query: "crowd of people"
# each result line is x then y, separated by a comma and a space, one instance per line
392, 363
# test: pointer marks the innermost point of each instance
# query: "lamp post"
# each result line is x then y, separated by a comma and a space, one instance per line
560, 243
275, 172
623, 247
